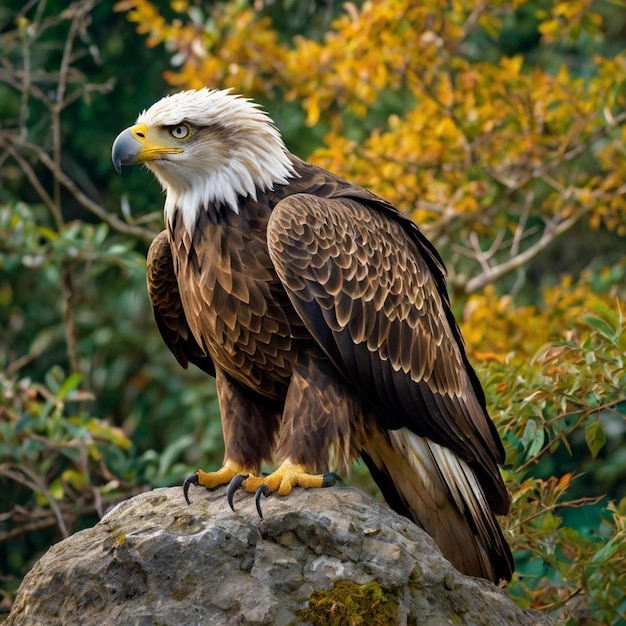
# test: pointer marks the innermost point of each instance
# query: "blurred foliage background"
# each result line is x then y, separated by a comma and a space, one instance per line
500, 127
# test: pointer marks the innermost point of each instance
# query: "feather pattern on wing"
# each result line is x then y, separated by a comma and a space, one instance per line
168, 309
394, 297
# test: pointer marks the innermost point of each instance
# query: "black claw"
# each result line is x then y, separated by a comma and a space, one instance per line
234, 484
328, 480
263, 490
192, 479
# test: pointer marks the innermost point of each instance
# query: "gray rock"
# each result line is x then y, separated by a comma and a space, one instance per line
153, 560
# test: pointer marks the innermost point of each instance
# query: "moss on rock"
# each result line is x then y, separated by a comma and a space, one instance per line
349, 604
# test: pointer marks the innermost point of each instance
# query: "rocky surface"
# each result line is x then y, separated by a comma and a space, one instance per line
315, 557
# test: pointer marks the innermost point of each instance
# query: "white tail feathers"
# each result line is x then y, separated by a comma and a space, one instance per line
441, 493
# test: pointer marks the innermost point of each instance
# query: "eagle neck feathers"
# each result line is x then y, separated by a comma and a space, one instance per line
227, 188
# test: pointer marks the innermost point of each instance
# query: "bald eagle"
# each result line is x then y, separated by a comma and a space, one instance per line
322, 312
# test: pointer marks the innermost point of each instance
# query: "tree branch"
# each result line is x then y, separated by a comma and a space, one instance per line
14, 472
556, 227
90, 205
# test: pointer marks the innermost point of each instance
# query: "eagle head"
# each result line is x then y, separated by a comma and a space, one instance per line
205, 147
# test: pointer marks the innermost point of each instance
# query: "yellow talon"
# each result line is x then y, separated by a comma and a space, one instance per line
281, 482
222, 476
211, 480
285, 478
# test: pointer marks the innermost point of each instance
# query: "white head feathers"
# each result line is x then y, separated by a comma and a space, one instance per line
233, 150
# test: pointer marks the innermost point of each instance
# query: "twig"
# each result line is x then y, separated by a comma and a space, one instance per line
90, 205
22, 529
554, 228
583, 413
33, 179
558, 603
56, 107
575, 504
36, 484
521, 225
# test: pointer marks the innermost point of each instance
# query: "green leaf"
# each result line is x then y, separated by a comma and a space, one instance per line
602, 326
533, 438
606, 551
54, 378
590, 358
170, 453
69, 385
48, 233
595, 436
100, 233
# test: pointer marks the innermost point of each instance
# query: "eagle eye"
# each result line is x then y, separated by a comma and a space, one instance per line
180, 132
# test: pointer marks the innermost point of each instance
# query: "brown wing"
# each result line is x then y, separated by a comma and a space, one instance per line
367, 295
373, 296
168, 309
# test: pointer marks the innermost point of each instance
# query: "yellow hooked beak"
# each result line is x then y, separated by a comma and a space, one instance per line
137, 144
